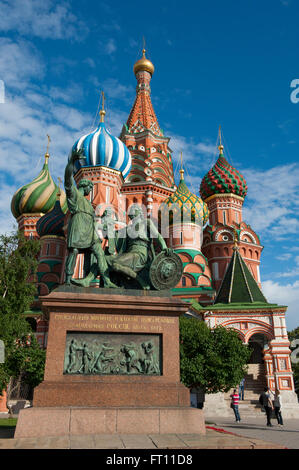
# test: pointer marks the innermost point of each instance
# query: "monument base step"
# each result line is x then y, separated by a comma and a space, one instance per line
117, 392
37, 422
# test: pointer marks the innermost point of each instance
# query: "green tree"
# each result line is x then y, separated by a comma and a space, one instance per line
293, 335
212, 359
18, 264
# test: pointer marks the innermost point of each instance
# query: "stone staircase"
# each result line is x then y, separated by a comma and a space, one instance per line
255, 382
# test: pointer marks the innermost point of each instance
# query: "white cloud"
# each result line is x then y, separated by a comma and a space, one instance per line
109, 47
284, 256
284, 295
29, 113
19, 62
294, 272
41, 18
272, 204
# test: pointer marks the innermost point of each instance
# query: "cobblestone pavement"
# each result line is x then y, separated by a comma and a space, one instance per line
286, 435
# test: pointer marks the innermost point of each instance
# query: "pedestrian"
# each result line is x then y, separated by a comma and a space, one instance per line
265, 401
241, 389
277, 407
235, 404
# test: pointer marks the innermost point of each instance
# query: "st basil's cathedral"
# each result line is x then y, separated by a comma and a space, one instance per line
220, 252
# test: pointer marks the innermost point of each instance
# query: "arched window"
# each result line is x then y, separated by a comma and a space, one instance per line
215, 269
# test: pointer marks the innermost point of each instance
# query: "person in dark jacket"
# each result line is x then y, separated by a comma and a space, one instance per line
265, 401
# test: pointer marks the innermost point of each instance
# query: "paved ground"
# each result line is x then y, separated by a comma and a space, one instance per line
222, 433
287, 435
214, 439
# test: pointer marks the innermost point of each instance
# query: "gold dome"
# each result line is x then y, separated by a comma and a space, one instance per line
143, 64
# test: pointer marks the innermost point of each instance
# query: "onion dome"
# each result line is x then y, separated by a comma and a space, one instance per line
39, 196
191, 207
103, 149
223, 178
143, 64
52, 223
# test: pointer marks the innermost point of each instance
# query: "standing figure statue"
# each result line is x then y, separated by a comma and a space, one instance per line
150, 365
82, 236
73, 348
86, 357
107, 227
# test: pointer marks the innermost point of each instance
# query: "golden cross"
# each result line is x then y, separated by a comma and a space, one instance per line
235, 237
49, 140
102, 112
103, 100
181, 170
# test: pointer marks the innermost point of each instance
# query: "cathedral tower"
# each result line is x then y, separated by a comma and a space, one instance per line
151, 178
223, 189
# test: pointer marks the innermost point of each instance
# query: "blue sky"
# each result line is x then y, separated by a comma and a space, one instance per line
228, 63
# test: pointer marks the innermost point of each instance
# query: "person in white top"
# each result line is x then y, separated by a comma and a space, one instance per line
277, 407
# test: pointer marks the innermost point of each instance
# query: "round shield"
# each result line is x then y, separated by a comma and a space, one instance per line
166, 271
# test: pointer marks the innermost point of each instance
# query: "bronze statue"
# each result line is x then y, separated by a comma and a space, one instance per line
82, 236
137, 250
130, 256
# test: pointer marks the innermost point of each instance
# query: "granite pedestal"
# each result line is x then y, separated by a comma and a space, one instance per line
124, 400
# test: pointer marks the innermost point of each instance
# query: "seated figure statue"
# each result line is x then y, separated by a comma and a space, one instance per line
134, 249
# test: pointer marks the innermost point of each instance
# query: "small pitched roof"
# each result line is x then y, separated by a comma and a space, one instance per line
239, 285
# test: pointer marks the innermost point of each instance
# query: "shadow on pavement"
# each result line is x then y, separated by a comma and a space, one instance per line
7, 432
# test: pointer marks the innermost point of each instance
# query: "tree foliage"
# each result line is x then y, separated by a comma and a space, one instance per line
294, 334
213, 359
18, 264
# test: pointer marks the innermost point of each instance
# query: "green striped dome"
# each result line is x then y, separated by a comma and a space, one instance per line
39, 196
191, 208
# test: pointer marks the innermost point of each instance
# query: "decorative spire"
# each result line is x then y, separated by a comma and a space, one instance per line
181, 170
220, 143
47, 155
239, 285
235, 247
102, 112
142, 116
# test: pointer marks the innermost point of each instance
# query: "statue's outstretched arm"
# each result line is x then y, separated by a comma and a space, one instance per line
69, 169
154, 233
